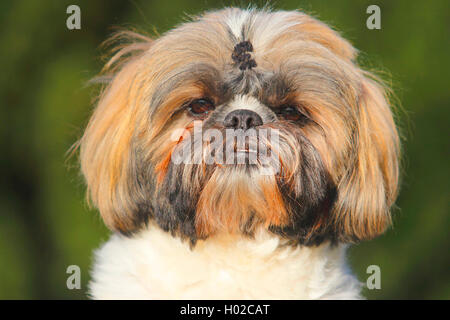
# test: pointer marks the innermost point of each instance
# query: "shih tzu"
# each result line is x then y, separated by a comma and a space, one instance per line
173, 160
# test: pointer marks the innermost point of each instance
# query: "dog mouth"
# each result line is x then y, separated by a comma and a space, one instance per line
246, 150
253, 152
250, 152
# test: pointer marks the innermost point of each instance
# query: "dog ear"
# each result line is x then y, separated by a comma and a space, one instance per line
368, 188
106, 153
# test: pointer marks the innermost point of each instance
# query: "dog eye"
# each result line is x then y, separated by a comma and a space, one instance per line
289, 112
201, 107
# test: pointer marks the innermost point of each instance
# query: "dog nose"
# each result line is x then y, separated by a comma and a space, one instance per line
242, 119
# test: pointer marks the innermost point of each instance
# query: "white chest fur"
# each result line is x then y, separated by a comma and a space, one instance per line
155, 265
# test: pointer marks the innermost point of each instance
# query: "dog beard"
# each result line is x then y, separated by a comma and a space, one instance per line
289, 194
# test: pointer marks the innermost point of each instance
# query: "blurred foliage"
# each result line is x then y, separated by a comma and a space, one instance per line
45, 224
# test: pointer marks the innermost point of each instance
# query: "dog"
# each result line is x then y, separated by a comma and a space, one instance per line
194, 225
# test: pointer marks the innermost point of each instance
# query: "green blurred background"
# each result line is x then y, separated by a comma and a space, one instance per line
45, 224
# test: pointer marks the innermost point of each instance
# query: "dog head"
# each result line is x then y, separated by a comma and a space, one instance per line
279, 81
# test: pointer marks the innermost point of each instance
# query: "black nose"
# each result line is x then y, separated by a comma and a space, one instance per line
242, 119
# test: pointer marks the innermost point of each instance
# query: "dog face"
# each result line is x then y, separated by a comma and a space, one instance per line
255, 75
